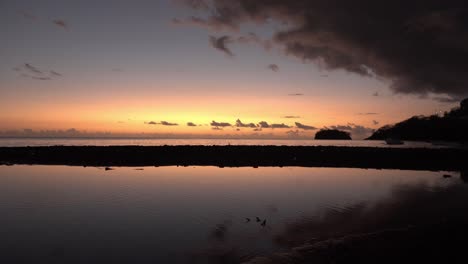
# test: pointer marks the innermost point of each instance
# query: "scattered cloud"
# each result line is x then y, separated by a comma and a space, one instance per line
219, 124
165, 123
282, 125
40, 78
191, 124
318, 31
27, 15
54, 73
263, 124
304, 127
221, 44
60, 23
32, 69
375, 94
273, 67
291, 117
368, 113
295, 94
240, 124
29, 71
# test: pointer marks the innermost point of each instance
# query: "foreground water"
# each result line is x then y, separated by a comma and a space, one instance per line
61, 214
22, 142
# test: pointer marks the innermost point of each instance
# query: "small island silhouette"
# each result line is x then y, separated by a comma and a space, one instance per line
451, 126
332, 134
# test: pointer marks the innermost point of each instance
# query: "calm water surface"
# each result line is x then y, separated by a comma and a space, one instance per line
61, 214
20, 142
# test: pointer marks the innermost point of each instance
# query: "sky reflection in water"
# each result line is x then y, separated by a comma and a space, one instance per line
198, 214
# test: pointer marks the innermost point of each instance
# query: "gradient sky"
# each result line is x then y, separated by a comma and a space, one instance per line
115, 66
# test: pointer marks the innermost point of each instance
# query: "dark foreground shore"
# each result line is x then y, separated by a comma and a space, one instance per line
238, 156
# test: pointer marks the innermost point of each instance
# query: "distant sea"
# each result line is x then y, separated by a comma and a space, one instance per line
22, 142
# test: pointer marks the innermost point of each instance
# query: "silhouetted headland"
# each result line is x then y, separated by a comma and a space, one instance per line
238, 156
452, 126
332, 134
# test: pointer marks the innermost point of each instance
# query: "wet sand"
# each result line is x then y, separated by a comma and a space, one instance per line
239, 156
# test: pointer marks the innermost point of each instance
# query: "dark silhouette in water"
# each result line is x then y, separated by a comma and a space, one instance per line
332, 134
452, 126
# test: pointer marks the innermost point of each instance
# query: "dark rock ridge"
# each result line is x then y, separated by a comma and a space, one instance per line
452, 126
332, 134
448, 159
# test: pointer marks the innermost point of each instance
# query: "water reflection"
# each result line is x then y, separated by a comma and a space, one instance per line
60, 214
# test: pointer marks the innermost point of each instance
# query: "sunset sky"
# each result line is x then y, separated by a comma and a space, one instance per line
130, 67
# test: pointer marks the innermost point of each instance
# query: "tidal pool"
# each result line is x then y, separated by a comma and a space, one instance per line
63, 214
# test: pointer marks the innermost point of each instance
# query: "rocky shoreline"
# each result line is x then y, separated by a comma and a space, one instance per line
451, 159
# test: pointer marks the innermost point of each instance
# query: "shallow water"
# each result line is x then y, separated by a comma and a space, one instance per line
61, 214
21, 142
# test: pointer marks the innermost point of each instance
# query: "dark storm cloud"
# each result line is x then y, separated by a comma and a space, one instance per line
191, 124
60, 23
448, 100
219, 124
240, 124
417, 46
273, 67
221, 44
304, 127
208, 23
252, 38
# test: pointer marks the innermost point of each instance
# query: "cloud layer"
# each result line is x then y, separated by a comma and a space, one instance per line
417, 46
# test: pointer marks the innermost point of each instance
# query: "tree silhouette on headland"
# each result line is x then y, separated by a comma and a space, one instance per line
452, 126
